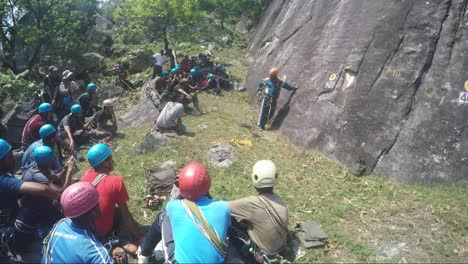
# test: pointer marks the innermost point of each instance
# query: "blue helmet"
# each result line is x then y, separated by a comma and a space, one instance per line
45, 107
164, 73
193, 71
98, 154
177, 66
174, 70
76, 108
210, 75
46, 130
91, 86
4, 148
44, 155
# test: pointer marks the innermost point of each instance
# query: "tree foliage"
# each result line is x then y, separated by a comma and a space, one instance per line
14, 88
152, 18
29, 25
234, 10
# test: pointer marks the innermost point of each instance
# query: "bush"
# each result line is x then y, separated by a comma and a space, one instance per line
14, 88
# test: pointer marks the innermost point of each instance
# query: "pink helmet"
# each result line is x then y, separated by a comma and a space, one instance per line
194, 181
78, 199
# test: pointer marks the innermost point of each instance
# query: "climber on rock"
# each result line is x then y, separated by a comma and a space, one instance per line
269, 88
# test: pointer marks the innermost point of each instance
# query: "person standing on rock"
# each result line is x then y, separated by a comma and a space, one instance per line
269, 88
263, 217
159, 60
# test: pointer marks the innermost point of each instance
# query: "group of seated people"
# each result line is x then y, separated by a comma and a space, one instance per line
74, 219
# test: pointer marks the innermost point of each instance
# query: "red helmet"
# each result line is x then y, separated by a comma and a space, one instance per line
78, 199
194, 181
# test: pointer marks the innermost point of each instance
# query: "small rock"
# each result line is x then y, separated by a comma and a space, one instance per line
391, 252
241, 88
235, 63
153, 140
170, 164
221, 155
202, 126
225, 40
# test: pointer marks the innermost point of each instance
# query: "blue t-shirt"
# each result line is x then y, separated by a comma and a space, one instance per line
190, 245
28, 156
9, 187
71, 244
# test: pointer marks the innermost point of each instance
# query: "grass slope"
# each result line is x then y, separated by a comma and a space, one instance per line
359, 214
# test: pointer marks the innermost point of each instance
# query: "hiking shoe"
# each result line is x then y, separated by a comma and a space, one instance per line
78, 155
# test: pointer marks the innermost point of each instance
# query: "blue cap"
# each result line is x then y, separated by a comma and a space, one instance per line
45, 107
46, 130
4, 148
98, 154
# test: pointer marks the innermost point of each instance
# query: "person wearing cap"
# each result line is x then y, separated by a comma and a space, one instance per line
31, 129
104, 130
159, 60
112, 192
269, 88
48, 135
10, 188
72, 239
264, 216
191, 239
70, 124
51, 84
161, 82
184, 95
211, 84
39, 213
68, 90
89, 100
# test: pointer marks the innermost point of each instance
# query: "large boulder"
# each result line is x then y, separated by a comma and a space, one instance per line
16, 119
92, 60
147, 109
138, 60
381, 81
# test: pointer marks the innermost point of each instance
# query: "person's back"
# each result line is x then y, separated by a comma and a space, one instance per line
191, 245
112, 192
71, 244
168, 116
262, 231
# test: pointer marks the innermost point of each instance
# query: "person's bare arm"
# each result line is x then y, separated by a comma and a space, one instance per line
70, 137
34, 188
68, 177
129, 222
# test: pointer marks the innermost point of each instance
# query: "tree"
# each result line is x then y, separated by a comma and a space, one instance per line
28, 25
152, 18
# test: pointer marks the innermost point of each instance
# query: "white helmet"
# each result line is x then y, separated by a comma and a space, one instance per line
108, 102
264, 174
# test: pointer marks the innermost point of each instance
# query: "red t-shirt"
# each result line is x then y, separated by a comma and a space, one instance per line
31, 129
112, 192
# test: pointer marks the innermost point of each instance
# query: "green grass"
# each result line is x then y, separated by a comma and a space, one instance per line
360, 214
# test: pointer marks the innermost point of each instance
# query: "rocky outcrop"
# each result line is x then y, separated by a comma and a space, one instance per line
381, 81
147, 109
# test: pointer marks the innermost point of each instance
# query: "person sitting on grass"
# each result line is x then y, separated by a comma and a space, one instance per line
184, 95
48, 138
73, 240
89, 101
10, 188
101, 121
264, 217
113, 194
38, 214
31, 129
71, 124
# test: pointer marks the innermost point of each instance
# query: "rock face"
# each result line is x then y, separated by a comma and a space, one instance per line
381, 81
